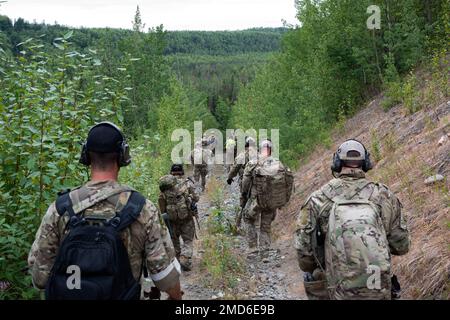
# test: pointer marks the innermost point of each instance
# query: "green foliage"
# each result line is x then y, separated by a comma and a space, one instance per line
46, 102
224, 42
375, 146
393, 95
151, 152
221, 263
149, 78
218, 223
332, 63
410, 95
219, 77
389, 144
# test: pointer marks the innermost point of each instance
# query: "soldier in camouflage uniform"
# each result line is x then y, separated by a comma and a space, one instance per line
146, 239
362, 247
237, 169
184, 228
231, 152
201, 156
253, 212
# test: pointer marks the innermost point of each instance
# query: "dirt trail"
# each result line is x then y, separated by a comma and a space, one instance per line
273, 275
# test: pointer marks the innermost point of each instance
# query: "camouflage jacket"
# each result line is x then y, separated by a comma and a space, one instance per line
318, 206
147, 238
248, 187
239, 166
191, 190
201, 157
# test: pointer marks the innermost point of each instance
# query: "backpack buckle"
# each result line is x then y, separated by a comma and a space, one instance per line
75, 221
115, 222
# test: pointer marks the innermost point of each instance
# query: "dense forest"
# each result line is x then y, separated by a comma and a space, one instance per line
333, 63
55, 82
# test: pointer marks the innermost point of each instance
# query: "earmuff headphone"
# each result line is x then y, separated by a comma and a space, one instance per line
124, 158
337, 164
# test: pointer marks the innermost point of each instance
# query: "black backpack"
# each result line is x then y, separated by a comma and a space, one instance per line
98, 252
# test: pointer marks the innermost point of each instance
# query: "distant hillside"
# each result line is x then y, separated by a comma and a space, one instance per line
224, 42
185, 42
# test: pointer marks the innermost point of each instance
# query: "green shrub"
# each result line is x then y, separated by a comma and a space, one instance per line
375, 145
222, 264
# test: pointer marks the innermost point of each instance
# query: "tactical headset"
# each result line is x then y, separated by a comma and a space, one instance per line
337, 163
124, 158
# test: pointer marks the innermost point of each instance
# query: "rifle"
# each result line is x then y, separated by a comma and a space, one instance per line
194, 210
318, 245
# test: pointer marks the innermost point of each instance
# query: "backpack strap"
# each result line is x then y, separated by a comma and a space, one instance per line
350, 193
85, 201
130, 212
64, 204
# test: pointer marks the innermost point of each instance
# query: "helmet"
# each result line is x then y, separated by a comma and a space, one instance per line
167, 182
249, 141
351, 150
267, 143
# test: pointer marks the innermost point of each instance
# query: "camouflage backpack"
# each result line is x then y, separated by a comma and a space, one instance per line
274, 183
176, 194
357, 253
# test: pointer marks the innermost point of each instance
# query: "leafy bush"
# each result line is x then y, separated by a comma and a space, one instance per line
410, 95
222, 264
375, 146
46, 102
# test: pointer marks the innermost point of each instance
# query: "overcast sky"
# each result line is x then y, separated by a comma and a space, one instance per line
173, 14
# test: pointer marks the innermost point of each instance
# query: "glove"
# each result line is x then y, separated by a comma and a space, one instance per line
229, 181
194, 206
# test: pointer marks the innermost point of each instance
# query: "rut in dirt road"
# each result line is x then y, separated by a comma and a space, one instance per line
270, 275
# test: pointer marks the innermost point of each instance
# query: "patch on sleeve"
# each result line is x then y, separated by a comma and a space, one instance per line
303, 218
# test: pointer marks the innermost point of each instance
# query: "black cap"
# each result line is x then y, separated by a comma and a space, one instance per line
177, 168
104, 138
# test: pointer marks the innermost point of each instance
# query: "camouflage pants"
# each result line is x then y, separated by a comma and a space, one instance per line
266, 217
200, 172
186, 230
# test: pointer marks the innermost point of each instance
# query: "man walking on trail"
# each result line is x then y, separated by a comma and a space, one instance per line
268, 184
231, 152
347, 231
178, 203
95, 241
237, 169
201, 157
